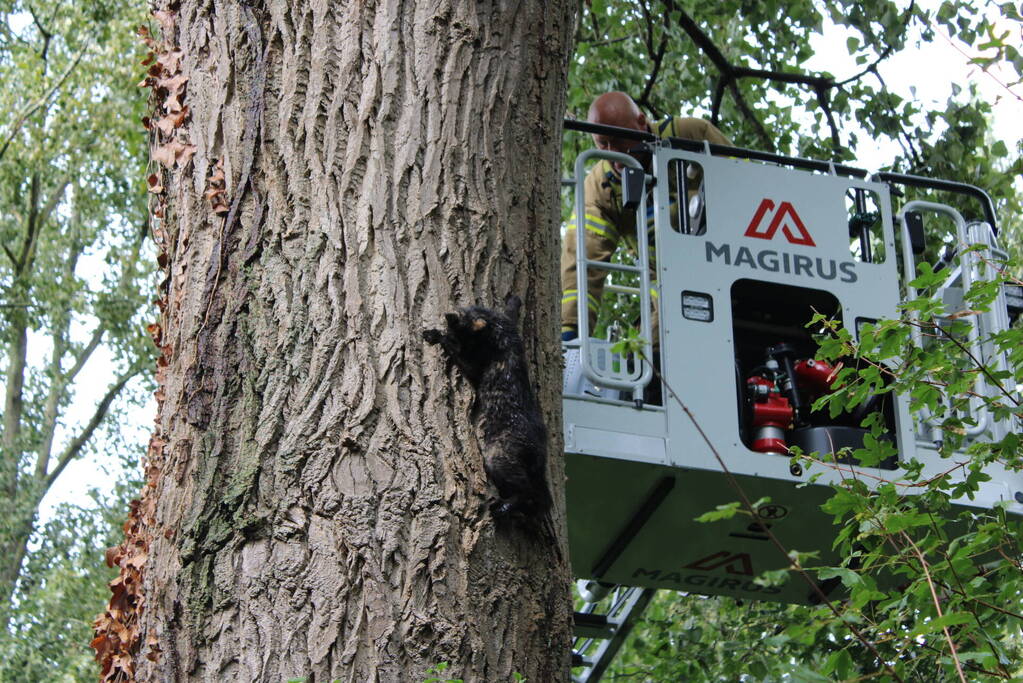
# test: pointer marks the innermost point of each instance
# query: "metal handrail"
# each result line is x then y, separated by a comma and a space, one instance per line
944, 186
996, 317
967, 266
715, 149
582, 269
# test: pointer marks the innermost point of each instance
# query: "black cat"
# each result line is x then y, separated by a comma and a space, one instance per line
485, 345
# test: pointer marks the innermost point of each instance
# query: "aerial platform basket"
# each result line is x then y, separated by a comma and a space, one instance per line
760, 243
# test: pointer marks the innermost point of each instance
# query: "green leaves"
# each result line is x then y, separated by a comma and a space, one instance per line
62, 582
631, 343
928, 625
900, 542
726, 511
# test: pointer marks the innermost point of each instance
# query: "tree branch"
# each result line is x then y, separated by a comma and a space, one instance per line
14, 389
49, 424
701, 40
656, 55
80, 360
54, 200
814, 82
59, 335
822, 99
18, 352
63, 380
37, 217
730, 73
39, 24
609, 41
74, 448
719, 94
31, 226
97, 336
10, 255
38, 104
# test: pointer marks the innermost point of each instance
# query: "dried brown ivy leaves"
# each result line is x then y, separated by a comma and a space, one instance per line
118, 629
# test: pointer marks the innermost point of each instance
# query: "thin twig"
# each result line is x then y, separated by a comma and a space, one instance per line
985, 71
839, 467
889, 48
962, 591
980, 366
937, 605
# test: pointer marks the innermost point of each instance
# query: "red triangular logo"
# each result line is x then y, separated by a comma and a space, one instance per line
785, 211
739, 563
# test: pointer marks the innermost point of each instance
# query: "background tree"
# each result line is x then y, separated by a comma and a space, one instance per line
74, 282
334, 180
62, 577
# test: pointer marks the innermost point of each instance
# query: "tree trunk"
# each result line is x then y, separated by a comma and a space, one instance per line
321, 501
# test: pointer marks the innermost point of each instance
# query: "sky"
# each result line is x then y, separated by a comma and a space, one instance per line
926, 73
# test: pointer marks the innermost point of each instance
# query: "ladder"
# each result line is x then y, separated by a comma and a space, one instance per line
598, 637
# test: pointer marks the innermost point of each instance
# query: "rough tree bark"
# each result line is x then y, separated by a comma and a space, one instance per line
320, 498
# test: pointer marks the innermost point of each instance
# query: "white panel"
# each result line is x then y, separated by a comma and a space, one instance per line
610, 444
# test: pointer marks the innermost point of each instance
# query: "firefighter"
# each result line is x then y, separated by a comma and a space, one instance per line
606, 225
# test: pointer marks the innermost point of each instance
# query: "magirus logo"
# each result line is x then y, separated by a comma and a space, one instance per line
772, 261
767, 221
733, 563
785, 218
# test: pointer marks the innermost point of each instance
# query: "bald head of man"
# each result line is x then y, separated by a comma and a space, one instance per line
617, 109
